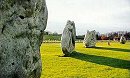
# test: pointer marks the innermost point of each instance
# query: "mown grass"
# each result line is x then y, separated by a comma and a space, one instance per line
102, 61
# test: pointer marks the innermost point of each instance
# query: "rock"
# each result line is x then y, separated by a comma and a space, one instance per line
22, 23
68, 38
122, 40
90, 39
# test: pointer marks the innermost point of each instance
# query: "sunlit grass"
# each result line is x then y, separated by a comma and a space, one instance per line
101, 62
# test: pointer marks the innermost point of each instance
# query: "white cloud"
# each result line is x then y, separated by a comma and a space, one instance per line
103, 13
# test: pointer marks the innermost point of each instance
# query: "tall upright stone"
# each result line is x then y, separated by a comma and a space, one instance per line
122, 40
22, 23
68, 38
90, 39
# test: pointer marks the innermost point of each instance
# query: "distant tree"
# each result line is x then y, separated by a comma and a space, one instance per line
55, 34
80, 37
104, 37
46, 33
115, 34
110, 37
127, 35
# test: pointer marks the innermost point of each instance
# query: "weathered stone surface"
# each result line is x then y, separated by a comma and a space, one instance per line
22, 23
122, 40
90, 39
68, 38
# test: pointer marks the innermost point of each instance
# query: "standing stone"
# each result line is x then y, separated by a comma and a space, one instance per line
122, 40
68, 38
22, 24
90, 39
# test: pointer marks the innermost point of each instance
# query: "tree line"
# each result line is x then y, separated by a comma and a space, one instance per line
107, 36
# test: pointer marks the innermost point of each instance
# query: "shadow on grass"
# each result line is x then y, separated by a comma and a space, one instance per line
114, 49
113, 62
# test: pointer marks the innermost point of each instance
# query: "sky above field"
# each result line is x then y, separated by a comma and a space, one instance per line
100, 15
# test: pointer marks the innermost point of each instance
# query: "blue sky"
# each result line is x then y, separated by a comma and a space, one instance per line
100, 15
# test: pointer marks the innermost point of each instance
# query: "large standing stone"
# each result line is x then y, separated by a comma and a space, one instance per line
122, 40
90, 39
22, 23
68, 38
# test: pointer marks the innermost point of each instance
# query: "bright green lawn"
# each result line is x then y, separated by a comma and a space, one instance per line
101, 62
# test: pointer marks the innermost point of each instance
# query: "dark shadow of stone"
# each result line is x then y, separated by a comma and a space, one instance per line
108, 61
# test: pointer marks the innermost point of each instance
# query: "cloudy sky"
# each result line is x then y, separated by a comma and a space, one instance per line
100, 15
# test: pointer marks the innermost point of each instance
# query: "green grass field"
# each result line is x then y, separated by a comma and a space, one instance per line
102, 61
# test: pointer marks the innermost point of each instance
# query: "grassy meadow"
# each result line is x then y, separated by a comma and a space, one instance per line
102, 61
